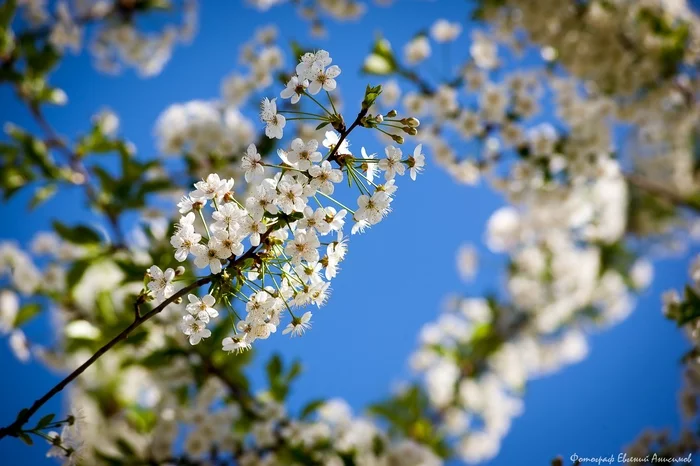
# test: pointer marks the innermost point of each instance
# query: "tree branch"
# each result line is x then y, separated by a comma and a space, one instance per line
23, 417
334, 156
662, 192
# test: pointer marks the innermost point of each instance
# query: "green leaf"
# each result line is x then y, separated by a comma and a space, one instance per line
7, 11
322, 125
76, 272
26, 313
105, 306
79, 234
36, 151
294, 371
45, 421
274, 368
42, 195
42, 61
26, 439
371, 94
689, 309
137, 338
125, 448
141, 419
297, 50
310, 408
161, 358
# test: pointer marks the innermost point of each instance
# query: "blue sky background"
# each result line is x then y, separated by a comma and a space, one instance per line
396, 276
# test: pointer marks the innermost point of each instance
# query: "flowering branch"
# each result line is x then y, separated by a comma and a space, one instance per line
287, 264
24, 415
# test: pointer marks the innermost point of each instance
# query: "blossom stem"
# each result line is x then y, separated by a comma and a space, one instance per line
330, 99
390, 125
318, 103
388, 134
306, 118
352, 174
322, 117
206, 227
337, 202
284, 300
359, 172
283, 167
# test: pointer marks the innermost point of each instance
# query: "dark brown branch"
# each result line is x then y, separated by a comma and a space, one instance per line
334, 156
24, 415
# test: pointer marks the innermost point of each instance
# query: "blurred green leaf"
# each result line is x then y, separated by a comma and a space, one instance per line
26, 313
79, 234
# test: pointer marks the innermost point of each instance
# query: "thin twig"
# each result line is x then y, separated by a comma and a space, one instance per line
333, 156
23, 417
77, 165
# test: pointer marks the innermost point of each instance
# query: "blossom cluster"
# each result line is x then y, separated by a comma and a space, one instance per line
117, 41
684, 309
314, 11
212, 134
564, 229
620, 47
26, 279
289, 226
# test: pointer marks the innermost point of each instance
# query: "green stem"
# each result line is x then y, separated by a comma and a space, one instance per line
323, 117
201, 215
318, 103
330, 99
337, 202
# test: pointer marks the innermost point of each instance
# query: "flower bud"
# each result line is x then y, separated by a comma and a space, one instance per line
371, 94
413, 122
392, 113
178, 300
397, 138
180, 270
409, 130
379, 119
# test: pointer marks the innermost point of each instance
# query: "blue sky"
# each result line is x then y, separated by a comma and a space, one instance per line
396, 276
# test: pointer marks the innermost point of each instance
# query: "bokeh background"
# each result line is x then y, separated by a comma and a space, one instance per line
395, 278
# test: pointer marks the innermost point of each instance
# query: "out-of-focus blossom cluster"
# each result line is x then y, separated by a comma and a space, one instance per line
118, 39
210, 135
664, 445
564, 174
316, 11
